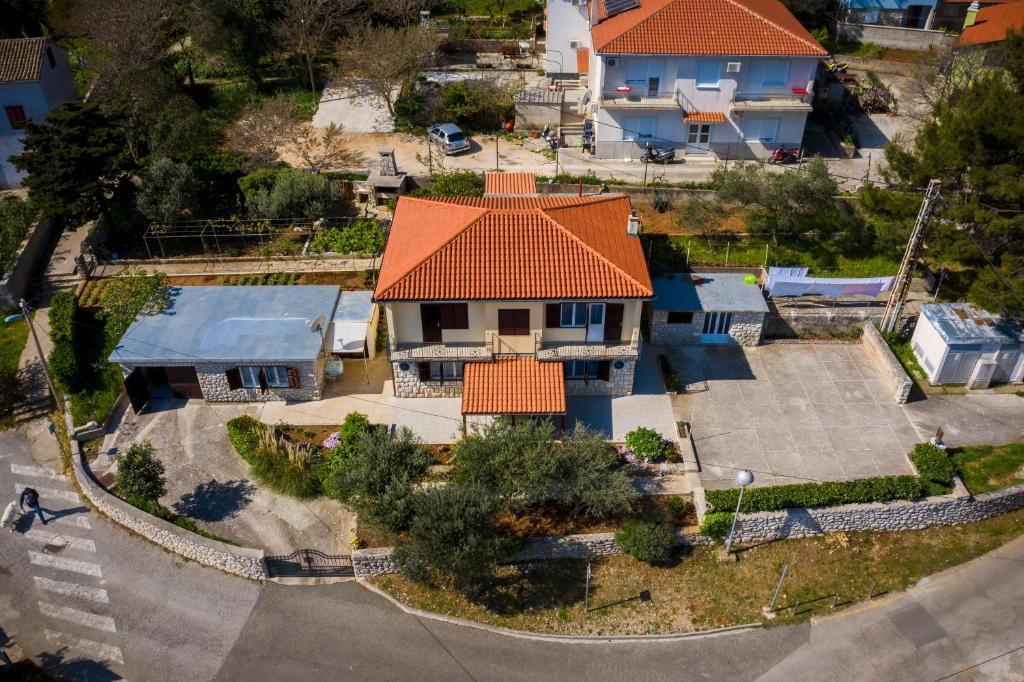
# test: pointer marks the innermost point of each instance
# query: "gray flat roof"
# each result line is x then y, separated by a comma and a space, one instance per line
713, 291
246, 323
963, 323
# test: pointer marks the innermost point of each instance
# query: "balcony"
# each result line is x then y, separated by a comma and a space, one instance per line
795, 99
640, 98
425, 352
588, 350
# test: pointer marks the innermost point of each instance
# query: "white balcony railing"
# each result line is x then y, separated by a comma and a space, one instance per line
640, 98
588, 350
774, 100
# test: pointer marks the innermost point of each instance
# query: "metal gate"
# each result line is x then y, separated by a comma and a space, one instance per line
309, 563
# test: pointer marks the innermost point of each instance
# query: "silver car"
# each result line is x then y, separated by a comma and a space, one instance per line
449, 137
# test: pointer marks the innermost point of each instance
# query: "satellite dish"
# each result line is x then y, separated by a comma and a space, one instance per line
317, 323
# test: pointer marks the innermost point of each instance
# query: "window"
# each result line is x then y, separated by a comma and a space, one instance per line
275, 377
639, 128
708, 74
49, 57
698, 133
574, 315
679, 317
776, 72
760, 129
581, 369
16, 117
454, 316
717, 323
446, 371
514, 322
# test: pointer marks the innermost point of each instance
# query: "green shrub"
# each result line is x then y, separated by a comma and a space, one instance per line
349, 435
934, 466
9, 390
646, 444
716, 524
363, 236
140, 474
16, 216
678, 506
825, 494
646, 541
280, 466
457, 184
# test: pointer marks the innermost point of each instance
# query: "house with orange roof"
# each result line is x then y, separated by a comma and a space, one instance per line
725, 78
513, 300
984, 26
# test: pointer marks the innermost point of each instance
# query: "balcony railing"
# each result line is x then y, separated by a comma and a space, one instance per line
640, 98
588, 350
794, 99
426, 351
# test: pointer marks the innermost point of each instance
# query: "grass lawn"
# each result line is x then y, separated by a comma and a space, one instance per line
984, 468
699, 593
13, 337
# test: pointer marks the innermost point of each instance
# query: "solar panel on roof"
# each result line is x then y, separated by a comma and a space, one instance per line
613, 7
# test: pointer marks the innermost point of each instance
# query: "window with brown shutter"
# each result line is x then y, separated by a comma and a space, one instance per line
614, 312
604, 370
553, 315
293, 378
16, 117
514, 321
454, 315
234, 376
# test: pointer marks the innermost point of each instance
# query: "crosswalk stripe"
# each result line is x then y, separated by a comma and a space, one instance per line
91, 649
83, 567
44, 493
60, 587
83, 618
38, 472
56, 539
76, 520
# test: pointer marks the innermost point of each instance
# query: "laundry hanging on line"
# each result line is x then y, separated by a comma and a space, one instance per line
794, 282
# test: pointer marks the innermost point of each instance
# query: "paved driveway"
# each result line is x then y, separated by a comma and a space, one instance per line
790, 413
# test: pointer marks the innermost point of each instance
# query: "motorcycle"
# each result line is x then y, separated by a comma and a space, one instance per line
654, 155
784, 156
833, 66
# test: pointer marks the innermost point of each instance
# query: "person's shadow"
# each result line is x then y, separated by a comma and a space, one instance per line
29, 517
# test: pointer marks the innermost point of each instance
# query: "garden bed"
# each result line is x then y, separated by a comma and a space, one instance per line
984, 468
696, 592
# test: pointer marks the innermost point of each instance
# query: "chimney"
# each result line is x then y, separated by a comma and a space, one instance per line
388, 166
972, 14
633, 224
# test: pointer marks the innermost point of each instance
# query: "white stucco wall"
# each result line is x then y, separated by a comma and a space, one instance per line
566, 22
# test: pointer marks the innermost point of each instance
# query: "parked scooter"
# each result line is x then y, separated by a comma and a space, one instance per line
833, 66
654, 155
784, 156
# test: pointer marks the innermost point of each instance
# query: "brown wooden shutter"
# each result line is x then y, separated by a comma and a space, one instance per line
264, 385
424, 370
613, 314
454, 316
604, 370
234, 376
293, 378
430, 320
553, 315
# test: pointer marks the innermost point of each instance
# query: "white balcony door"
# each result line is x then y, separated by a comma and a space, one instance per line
698, 138
595, 322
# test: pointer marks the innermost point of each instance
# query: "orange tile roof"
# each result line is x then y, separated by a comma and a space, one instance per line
713, 27
510, 183
20, 59
704, 117
993, 23
512, 248
513, 385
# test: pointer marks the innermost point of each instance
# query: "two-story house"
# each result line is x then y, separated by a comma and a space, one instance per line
35, 77
732, 78
513, 301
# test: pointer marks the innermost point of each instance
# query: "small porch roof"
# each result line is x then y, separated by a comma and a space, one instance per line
513, 385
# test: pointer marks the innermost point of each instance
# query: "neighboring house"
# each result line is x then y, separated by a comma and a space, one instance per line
732, 78
513, 301
988, 25
899, 13
956, 15
35, 77
707, 308
956, 343
243, 343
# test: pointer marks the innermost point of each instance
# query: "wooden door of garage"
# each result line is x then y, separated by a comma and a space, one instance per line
183, 382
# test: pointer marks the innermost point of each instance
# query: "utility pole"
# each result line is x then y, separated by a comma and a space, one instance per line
898, 295
42, 356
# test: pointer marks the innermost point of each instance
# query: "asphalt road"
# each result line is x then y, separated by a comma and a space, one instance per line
102, 604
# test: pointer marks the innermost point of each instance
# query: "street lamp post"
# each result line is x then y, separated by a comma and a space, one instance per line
42, 357
743, 478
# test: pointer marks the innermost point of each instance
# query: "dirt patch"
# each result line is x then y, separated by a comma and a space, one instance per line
551, 521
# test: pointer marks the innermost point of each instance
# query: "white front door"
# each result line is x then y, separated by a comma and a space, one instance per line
595, 322
698, 138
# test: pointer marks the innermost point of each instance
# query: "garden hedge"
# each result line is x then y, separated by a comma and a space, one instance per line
934, 466
825, 494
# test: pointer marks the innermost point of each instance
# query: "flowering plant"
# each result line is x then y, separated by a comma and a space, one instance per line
332, 441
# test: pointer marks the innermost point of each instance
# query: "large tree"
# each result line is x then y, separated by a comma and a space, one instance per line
74, 160
399, 56
306, 27
975, 146
240, 30
168, 191
264, 130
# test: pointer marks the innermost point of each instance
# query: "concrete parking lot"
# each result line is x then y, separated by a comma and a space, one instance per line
791, 413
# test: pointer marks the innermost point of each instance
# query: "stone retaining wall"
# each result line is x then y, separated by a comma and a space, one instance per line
893, 375
15, 282
241, 561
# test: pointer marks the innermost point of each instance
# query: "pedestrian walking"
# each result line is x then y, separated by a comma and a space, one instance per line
30, 497
9, 514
